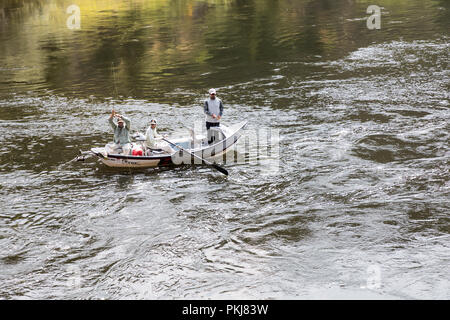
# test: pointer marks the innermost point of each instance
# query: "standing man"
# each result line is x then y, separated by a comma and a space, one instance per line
213, 109
121, 133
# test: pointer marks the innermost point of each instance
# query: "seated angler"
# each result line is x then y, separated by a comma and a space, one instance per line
154, 139
122, 141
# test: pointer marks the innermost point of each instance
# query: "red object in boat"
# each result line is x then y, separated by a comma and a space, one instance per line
137, 152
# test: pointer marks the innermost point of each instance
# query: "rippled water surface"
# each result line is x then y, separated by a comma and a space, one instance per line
355, 206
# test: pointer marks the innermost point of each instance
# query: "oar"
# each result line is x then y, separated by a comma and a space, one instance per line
215, 166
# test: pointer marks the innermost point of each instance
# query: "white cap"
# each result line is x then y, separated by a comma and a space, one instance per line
153, 121
211, 91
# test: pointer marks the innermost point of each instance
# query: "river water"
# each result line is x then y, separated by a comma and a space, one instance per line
354, 203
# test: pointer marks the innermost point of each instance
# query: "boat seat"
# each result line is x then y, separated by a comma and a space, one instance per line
151, 151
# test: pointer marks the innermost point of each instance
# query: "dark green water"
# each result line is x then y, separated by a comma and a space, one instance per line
356, 206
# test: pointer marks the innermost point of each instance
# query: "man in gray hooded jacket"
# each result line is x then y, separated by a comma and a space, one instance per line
122, 141
213, 109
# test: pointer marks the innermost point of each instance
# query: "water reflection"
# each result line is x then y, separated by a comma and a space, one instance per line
157, 46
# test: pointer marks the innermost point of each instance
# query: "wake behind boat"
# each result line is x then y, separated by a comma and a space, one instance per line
189, 150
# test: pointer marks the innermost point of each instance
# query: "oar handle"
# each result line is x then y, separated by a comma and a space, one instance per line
184, 150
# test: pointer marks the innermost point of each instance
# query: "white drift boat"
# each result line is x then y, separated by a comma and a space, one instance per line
188, 150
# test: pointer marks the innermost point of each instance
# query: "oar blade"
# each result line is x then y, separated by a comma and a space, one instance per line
224, 171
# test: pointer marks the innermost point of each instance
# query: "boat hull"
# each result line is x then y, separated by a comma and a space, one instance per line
131, 163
